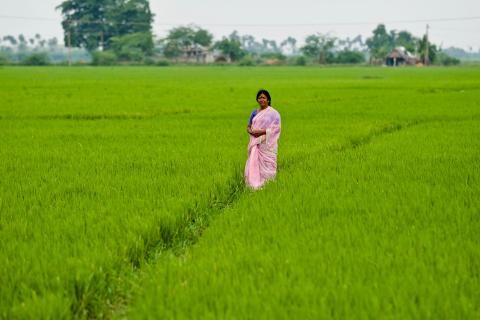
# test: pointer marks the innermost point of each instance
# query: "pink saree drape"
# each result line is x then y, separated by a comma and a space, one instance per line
261, 164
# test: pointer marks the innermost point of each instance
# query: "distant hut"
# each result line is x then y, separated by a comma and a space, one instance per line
220, 57
197, 54
400, 56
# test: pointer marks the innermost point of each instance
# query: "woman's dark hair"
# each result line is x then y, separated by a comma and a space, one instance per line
265, 92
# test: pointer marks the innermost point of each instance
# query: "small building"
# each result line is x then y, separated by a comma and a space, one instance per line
400, 56
197, 54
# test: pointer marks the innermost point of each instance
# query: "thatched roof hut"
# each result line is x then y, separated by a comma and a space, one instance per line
400, 56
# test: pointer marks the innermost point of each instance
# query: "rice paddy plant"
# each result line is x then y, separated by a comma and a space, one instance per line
121, 194
387, 229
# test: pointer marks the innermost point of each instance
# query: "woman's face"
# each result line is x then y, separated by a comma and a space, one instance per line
262, 100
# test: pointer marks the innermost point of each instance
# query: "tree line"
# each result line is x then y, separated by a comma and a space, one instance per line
120, 31
37, 50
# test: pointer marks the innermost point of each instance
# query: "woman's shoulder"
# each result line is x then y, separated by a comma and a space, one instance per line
275, 111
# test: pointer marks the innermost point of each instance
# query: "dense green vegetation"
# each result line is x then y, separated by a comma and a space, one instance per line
121, 194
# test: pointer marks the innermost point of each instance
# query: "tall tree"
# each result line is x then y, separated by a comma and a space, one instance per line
22, 43
231, 46
248, 42
92, 23
265, 43
85, 22
318, 46
359, 41
289, 45
184, 38
133, 46
131, 32
22, 39
250, 45
172, 49
406, 40
130, 16
202, 37
52, 43
381, 43
10, 39
349, 44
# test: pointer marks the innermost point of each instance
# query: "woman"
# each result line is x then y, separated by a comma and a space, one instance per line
264, 130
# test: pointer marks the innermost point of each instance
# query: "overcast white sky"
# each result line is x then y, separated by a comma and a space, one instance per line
275, 19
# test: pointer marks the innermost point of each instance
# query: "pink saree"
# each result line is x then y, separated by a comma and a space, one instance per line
261, 164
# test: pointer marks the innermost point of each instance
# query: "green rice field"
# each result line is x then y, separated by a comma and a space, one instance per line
122, 194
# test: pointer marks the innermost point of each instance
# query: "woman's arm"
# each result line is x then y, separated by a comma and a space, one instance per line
250, 130
257, 132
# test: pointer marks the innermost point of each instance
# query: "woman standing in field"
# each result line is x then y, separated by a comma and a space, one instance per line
264, 129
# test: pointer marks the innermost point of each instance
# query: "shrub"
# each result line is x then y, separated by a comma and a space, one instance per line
163, 63
445, 60
36, 59
350, 57
247, 61
273, 56
130, 54
149, 61
301, 61
4, 59
103, 58
133, 47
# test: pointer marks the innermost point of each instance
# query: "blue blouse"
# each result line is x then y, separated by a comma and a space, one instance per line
254, 113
